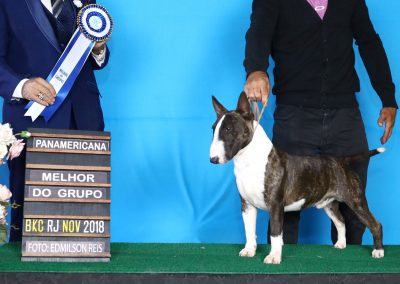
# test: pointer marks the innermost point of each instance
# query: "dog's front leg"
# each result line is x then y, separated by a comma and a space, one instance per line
276, 231
249, 214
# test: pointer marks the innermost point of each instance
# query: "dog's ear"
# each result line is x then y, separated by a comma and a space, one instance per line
220, 110
244, 107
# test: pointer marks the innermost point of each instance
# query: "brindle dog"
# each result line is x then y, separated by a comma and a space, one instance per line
273, 180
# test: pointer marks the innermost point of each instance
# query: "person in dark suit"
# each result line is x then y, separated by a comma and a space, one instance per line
311, 42
33, 35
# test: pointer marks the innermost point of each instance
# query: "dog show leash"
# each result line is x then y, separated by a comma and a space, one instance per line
256, 110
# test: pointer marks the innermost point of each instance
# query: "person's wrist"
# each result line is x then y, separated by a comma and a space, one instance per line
257, 74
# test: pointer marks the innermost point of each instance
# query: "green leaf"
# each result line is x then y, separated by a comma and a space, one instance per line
25, 134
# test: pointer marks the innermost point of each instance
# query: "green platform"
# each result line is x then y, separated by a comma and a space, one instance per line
212, 258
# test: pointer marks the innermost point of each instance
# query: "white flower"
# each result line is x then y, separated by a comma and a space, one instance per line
78, 3
5, 193
3, 214
6, 134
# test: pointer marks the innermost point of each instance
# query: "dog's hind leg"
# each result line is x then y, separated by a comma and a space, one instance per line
360, 207
249, 214
332, 210
276, 231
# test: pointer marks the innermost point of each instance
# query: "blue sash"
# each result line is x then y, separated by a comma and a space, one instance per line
94, 25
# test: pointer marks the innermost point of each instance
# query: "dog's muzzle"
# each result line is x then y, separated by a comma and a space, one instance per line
214, 160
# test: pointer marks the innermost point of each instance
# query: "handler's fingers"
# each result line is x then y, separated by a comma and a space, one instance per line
247, 90
264, 94
33, 94
41, 95
381, 120
388, 132
36, 98
252, 94
257, 86
49, 87
257, 93
38, 94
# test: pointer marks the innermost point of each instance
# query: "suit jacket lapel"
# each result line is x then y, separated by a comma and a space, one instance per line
36, 9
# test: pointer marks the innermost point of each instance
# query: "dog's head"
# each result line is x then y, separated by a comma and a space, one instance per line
233, 130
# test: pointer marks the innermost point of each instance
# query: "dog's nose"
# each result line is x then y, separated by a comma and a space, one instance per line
214, 160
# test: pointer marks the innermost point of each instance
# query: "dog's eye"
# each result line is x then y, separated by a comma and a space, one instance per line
227, 129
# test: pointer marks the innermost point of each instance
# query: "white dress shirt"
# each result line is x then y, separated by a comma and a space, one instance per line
47, 4
99, 58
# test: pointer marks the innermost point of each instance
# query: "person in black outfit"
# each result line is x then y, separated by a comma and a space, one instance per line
315, 84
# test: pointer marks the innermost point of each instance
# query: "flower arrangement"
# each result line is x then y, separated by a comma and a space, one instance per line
10, 148
5, 196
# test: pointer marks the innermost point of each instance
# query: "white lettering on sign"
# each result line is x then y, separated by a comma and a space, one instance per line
37, 192
64, 247
52, 226
70, 193
67, 144
80, 193
68, 177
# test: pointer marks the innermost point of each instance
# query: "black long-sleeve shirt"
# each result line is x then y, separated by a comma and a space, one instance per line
314, 58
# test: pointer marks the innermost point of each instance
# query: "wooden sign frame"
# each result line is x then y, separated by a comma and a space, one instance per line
67, 196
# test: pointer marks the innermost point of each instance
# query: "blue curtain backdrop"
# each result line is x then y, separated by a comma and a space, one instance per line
168, 58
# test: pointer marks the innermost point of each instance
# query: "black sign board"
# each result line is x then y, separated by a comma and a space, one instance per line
67, 196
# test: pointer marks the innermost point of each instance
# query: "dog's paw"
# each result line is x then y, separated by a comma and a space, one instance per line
273, 258
247, 252
378, 253
340, 245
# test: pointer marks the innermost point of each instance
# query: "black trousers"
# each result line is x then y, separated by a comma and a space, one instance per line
313, 132
17, 185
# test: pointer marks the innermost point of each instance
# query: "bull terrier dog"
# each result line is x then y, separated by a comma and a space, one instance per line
273, 180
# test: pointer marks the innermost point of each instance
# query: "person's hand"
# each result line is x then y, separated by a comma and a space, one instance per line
387, 117
99, 47
257, 87
39, 90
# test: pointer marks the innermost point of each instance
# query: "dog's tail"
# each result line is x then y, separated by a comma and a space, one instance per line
365, 155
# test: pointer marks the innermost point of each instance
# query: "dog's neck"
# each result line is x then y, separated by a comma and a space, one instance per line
256, 152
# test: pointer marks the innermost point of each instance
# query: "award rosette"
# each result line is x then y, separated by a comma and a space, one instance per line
94, 25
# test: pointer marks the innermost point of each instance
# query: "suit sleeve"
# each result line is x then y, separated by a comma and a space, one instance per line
373, 55
259, 36
9, 80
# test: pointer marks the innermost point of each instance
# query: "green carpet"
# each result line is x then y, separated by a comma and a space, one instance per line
215, 258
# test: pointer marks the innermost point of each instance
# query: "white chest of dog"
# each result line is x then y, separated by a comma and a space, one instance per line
250, 164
